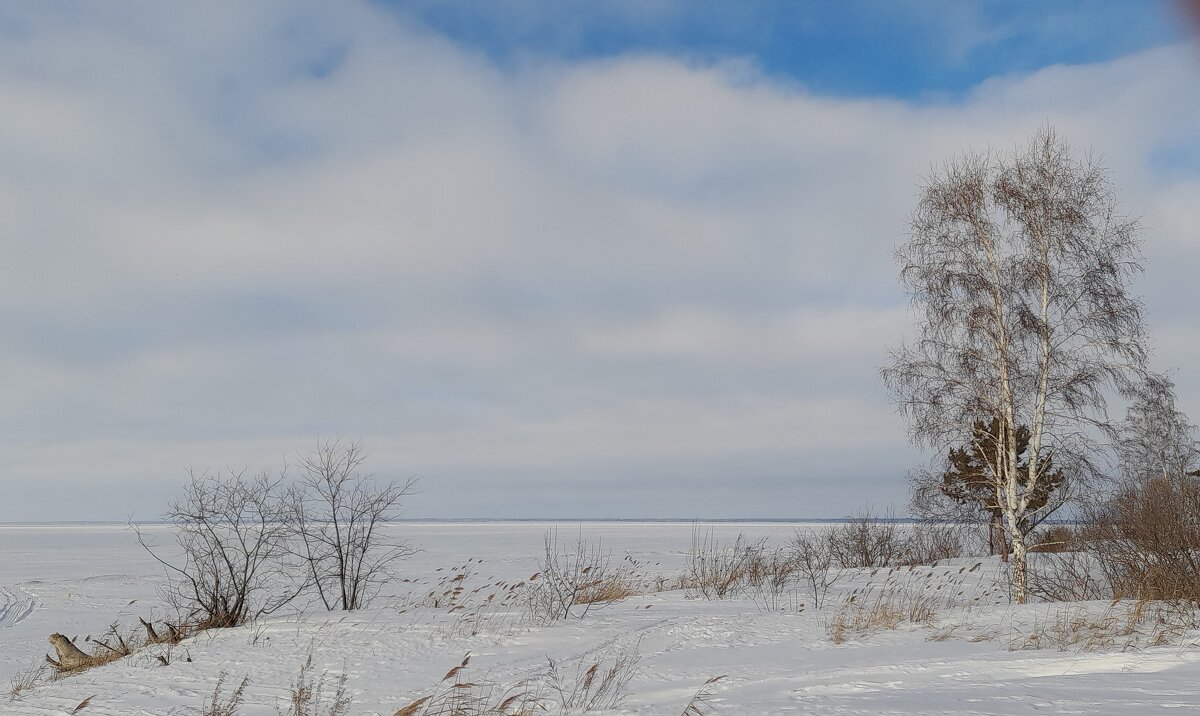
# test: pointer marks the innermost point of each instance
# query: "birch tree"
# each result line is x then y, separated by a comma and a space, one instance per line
1019, 268
1156, 438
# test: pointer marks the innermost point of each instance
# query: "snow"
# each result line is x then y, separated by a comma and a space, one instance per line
973, 659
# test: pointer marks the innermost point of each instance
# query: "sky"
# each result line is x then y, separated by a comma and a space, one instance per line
555, 259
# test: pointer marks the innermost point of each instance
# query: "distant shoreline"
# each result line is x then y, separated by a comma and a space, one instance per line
516, 520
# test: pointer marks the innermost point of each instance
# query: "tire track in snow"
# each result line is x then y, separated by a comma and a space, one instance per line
16, 604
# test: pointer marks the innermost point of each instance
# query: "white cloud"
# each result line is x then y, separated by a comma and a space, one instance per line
229, 232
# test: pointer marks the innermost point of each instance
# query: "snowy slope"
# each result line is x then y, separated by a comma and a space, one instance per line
774, 661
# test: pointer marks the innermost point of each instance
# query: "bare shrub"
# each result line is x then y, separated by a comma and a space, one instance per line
231, 539
717, 570
1147, 539
1070, 576
221, 705
338, 514
866, 541
769, 573
930, 542
309, 695
1052, 539
575, 577
813, 557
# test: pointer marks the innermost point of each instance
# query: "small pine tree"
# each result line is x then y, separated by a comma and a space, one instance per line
969, 480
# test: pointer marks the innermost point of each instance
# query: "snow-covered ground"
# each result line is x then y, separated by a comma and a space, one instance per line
976, 656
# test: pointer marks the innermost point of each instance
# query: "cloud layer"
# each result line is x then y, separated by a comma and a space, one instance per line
638, 286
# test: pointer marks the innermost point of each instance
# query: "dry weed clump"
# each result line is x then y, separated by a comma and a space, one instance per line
719, 570
872, 611
576, 577
627, 579
111, 646
906, 596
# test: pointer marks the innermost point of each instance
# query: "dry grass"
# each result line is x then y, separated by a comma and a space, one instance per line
1121, 626
475, 604
906, 595
458, 695
28, 678
309, 696
701, 704
597, 686
610, 589
221, 705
